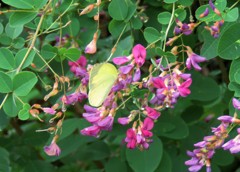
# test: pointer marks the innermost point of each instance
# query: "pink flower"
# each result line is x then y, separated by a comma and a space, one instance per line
49, 110
91, 48
193, 60
236, 103
123, 120
91, 131
183, 88
152, 113
53, 149
131, 138
121, 60
139, 53
147, 124
106, 123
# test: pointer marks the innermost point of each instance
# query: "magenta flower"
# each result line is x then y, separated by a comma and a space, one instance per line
106, 123
236, 103
184, 88
137, 75
123, 120
49, 110
53, 149
152, 113
226, 119
91, 48
205, 13
139, 53
121, 60
131, 138
126, 69
233, 145
147, 124
91, 131
193, 60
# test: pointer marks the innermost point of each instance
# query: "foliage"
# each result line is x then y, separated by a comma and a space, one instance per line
158, 75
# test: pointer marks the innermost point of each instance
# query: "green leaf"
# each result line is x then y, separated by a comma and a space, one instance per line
23, 83
237, 76
118, 9
233, 86
164, 17
116, 27
203, 88
116, 165
7, 59
170, 1
4, 159
72, 54
12, 106
209, 48
171, 127
229, 43
143, 161
1, 28
97, 151
222, 158
24, 113
22, 4
18, 43
21, 54
151, 34
136, 23
186, 3
48, 52
5, 40
6, 83
233, 69
180, 14
26, 4
232, 15
13, 32
165, 164
69, 126
131, 10
37, 166
21, 18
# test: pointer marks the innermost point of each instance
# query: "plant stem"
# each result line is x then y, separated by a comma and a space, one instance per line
168, 27
115, 45
34, 38
123, 102
4, 100
234, 4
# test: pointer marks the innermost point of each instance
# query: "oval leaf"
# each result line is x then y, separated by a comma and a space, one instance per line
6, 83
21, 18
147, 160
229, 44
7, 59
118, 9
21, 54
23, 83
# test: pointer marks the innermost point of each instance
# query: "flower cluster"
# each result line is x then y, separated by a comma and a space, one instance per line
168, 87
79, 69
215, 28
202, 155
140, 134
130, 72
101, 118
184, 28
